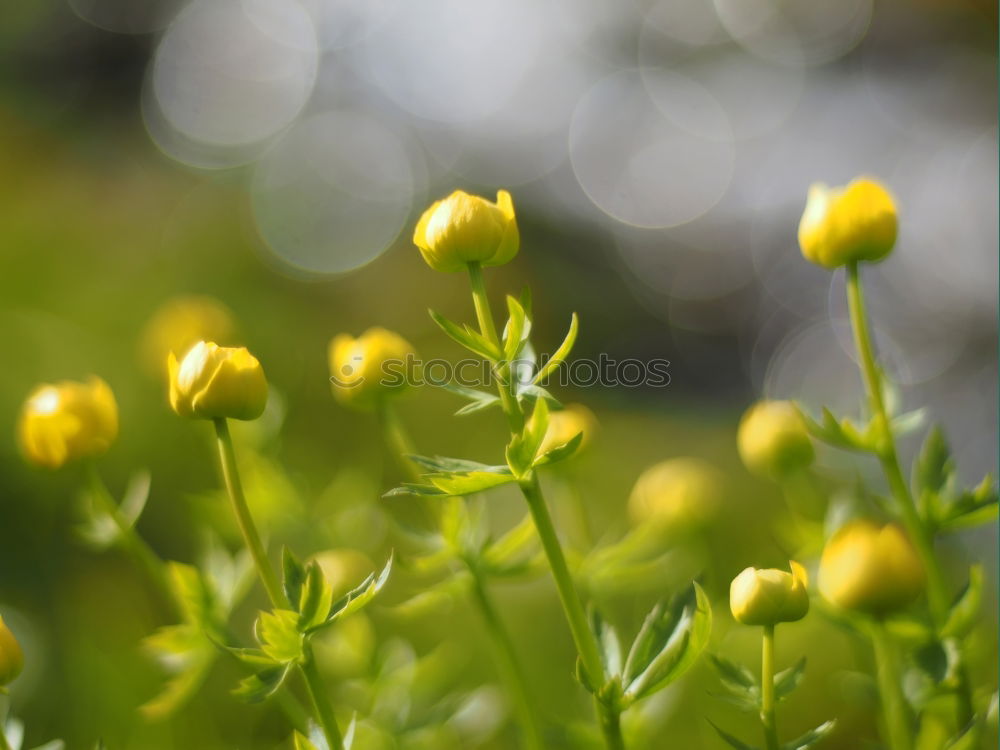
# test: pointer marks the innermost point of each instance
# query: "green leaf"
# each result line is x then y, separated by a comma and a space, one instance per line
736, 678
840, 433
469, 483
360, 597
607, 639
560, 354
279, 636
523, 448
194, 594
516, 331
788, 679
730, 740
478, 400
411, 489
473, 341
262, 685
669, 642
934, 466
811, 737
970, 739
99, 530
301, 742
316, 598
560, 452
970, 508
445, 465
512, 547
293, 575
965, 611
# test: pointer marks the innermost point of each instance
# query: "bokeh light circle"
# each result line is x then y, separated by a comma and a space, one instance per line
334, 193
651, 149
235, 72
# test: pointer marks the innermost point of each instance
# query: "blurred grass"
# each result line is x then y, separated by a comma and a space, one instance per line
95, 233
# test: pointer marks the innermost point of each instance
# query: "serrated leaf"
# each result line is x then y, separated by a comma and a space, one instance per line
560, 354
560, 452
316, 598
523, 448
934, 466
279, 636
730, 739
787, 680
811, 737
262, 685
293, 575
469, 483
965, 611
472, 340
840, 433
670, 640
358, 598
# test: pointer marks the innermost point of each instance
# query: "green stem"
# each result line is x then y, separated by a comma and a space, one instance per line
507, 661
251, 537
611, 725
268, 577
134, 544
397, 439
895, 714
767, 714
320, 699
586, 644
937, 588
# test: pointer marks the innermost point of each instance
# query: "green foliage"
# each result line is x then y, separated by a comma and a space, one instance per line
943, 504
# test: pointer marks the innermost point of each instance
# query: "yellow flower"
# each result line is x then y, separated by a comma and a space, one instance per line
465, 228
216, 382
679, 495
67, 421
365, 369
11, 656
566, 424
773, 440
769, 596
852, 223
179, 324
870, 568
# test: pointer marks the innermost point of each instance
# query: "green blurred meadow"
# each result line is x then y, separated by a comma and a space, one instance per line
98, 229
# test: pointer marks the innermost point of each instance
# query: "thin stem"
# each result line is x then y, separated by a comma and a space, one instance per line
937, 588
586, 644
767, 714
611, 725
320, 699
251, 537
134, 544
397, 439
507, 662
895, 714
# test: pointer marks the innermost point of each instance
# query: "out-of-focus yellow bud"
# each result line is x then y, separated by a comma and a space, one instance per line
852, 223
66, 421
180, 323
679, 494
769, 596
344, 568
366, 369
773, 440
465, 228
870, 568
214, 382
11, 656
566, 424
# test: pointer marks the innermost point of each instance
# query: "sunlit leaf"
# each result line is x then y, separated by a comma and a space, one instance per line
560, 354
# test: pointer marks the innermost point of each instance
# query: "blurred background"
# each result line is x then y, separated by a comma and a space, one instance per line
275, 154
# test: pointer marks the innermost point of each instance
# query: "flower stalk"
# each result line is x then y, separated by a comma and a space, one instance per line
583, 638
895, 714
767, 699
251, 537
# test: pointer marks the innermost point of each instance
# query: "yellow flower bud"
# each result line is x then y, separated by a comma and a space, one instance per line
180, 323
679, 495
773, 440
465, 228
566, 424
769, 596
215, 382
11, 656
67, 421
368, 368
870, 568
852, 223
